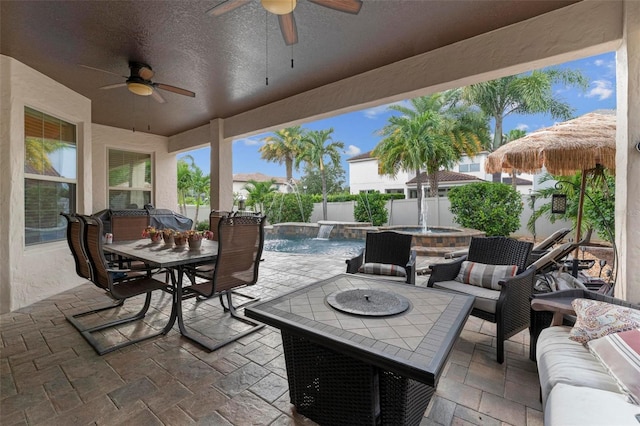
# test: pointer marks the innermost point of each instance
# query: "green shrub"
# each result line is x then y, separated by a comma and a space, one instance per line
494, 208
203, 225
370, 207
281, 207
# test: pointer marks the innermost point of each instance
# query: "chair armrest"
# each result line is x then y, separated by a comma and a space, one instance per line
513, 308
410, 268
354, 263
445, 271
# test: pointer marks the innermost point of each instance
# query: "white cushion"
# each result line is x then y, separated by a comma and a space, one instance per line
573, 405
486, 299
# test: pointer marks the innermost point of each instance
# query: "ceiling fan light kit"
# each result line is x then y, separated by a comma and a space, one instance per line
139, 88
279, 7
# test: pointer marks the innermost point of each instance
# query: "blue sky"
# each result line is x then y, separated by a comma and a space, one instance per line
358, 130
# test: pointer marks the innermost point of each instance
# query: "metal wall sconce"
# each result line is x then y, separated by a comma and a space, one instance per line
559, 203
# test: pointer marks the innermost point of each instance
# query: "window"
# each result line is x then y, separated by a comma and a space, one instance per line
129, 179
463, 168
394, 191
474, 167
50, 164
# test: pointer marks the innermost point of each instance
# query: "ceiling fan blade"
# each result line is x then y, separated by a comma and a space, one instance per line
226, 6
348, 6
113, 86
105, 71
288, 28
158, 97
174, 89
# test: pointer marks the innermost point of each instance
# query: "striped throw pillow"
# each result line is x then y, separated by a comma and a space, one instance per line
383, 269
483, 275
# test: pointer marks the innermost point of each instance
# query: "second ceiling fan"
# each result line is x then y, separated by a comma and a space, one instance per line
284, 10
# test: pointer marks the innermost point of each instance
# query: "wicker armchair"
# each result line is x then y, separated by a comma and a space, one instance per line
120, 285
386, 248
509, 307
240, 242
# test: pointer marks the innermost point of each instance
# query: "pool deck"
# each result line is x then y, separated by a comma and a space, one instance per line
50, 376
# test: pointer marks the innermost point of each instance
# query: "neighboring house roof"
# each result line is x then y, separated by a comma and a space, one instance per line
363, 156
258, 177
48, 170
519, 181
447, 176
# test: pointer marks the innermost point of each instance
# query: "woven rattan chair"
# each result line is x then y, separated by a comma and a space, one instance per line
126, 285
508, 308
240, 242
386, 248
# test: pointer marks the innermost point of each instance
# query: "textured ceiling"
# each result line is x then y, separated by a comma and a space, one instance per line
223, 59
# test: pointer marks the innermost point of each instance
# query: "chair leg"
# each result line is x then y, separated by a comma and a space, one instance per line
250, 301
100, 348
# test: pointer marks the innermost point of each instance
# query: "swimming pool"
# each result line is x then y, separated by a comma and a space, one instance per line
305, 245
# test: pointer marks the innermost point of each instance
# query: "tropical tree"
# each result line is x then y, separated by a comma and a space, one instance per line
283, 147
311, 181
433, 132
529, 93
514, 134
200, 186
258, 192
317, 148
184, 181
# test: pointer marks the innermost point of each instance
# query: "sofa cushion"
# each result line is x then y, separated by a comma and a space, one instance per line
383, 269
620, 353
562, 360
595, 319
486, 299
573, 405
483, 275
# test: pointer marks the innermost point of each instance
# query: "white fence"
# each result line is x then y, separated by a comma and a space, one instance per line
405, 212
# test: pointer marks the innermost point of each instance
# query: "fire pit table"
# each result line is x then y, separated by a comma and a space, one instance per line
362, 350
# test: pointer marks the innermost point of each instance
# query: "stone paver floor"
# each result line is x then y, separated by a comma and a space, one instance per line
49, 375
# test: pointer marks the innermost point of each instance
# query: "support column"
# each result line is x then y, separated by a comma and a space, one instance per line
221, 167
627, 157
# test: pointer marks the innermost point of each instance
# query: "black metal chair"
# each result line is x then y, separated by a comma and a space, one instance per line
119, 285
509, 307
240, 242
386, 248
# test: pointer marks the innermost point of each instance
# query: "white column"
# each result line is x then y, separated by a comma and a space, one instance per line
221, 167
627, 157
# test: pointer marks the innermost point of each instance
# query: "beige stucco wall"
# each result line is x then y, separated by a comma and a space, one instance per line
164, 195
28, 274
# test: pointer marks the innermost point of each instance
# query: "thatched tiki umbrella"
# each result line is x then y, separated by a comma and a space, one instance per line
576, 145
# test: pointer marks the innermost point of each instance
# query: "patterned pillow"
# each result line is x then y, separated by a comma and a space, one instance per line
596, 319
482, 275
620, 353
383, 269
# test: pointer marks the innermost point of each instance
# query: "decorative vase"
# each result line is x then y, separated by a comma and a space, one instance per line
155, 237
194, 243
168, 238
180, 240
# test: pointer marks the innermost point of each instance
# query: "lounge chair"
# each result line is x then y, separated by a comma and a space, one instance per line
386, 253
504, 301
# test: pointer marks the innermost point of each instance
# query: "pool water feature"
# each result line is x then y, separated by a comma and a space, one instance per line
305, 245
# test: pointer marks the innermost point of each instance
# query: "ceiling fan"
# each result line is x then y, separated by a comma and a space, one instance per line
284, 10
139, 82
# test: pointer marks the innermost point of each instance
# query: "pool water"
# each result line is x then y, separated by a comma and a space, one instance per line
300, 245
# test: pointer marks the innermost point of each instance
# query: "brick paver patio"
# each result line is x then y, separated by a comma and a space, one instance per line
50, 375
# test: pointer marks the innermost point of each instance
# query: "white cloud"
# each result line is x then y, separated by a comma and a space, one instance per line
522, 126
603, 90
352, 150
374, 112
249, 141
599, 62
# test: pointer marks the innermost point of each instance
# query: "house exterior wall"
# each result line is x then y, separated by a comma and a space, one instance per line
28, 274
363, 176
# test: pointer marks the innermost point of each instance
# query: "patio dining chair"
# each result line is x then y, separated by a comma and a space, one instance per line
386, 253
495, 272
240, 242
121, 286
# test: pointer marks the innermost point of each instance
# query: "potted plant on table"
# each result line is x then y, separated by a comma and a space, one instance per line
168, 236
195, 239
152, 233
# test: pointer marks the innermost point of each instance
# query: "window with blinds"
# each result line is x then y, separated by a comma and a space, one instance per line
50, 165
130, 182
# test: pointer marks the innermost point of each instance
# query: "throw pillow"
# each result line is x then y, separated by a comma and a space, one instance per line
620, 353
482, 275
383, 269
596, 319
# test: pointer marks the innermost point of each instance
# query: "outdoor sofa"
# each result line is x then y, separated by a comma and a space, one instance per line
596, 382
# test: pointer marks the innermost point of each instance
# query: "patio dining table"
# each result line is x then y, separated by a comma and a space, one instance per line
172, 258
362, 350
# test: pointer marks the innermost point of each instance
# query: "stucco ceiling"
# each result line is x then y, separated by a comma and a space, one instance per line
224, 59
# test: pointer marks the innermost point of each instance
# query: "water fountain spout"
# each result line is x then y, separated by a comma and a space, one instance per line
324, 231
294, 187
425, 211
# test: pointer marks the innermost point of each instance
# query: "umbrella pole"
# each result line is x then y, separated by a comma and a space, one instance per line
583, 184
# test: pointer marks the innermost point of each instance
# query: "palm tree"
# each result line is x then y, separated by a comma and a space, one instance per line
514, 134
283, 147
200, 184
258, 192
523, 94
184, 181
432, 133
314, 152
